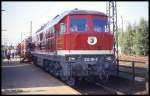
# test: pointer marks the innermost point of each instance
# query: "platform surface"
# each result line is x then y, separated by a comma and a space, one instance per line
26, 78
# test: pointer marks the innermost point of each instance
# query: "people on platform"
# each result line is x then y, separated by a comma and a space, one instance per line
8, 54
13, 53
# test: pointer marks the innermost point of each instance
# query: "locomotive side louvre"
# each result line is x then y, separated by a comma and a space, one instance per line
69, 51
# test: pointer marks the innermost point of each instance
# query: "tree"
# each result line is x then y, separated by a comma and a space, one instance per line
142, 36
135, 40
127, 41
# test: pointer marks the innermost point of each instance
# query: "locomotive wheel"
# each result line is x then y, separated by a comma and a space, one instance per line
104, 77
46, 68
71, 81
57, 69
57, 73
49, 68
62, 77
35, 61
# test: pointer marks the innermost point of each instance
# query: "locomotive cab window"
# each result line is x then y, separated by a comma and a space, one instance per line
100, 25
78, 25
62, 28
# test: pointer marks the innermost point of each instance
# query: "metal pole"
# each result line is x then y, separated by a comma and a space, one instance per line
133, 72
31, 28
5, 38
20, 47
112, 13
122, 32
21, 36
122, 25
4, 29
116, 34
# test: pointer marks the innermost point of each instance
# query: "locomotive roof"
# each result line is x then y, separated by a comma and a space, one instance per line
57, 18
86, 12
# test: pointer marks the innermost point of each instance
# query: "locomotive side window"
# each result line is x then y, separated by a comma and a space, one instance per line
62, 28
99, 25
37, 37
41, 36
78, 25
52, 30
47, 34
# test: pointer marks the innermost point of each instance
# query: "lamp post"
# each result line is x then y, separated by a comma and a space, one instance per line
20, 47
31, 28
122, 26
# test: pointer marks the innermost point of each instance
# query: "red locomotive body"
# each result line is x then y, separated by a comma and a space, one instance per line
75, 44
79, 40
24, 47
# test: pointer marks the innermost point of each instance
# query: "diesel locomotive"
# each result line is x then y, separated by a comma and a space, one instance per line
74, 45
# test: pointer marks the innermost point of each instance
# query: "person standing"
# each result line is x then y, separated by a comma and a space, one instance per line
8, 54
13, 53
5, 53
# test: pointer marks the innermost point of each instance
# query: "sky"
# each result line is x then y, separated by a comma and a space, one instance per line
17, 15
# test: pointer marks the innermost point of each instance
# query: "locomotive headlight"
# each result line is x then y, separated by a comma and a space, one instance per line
109, 58
92, 40
70, 58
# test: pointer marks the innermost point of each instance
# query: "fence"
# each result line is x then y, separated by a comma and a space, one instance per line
132, 72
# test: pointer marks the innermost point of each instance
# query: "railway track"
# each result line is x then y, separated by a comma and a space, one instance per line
87, 87
110, 90
115, 86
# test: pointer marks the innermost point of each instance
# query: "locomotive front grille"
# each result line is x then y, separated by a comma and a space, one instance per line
82, 65
89, 59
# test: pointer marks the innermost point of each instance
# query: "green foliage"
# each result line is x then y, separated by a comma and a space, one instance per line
142, 43
135, 40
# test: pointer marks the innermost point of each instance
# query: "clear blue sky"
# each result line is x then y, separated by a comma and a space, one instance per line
17, 15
